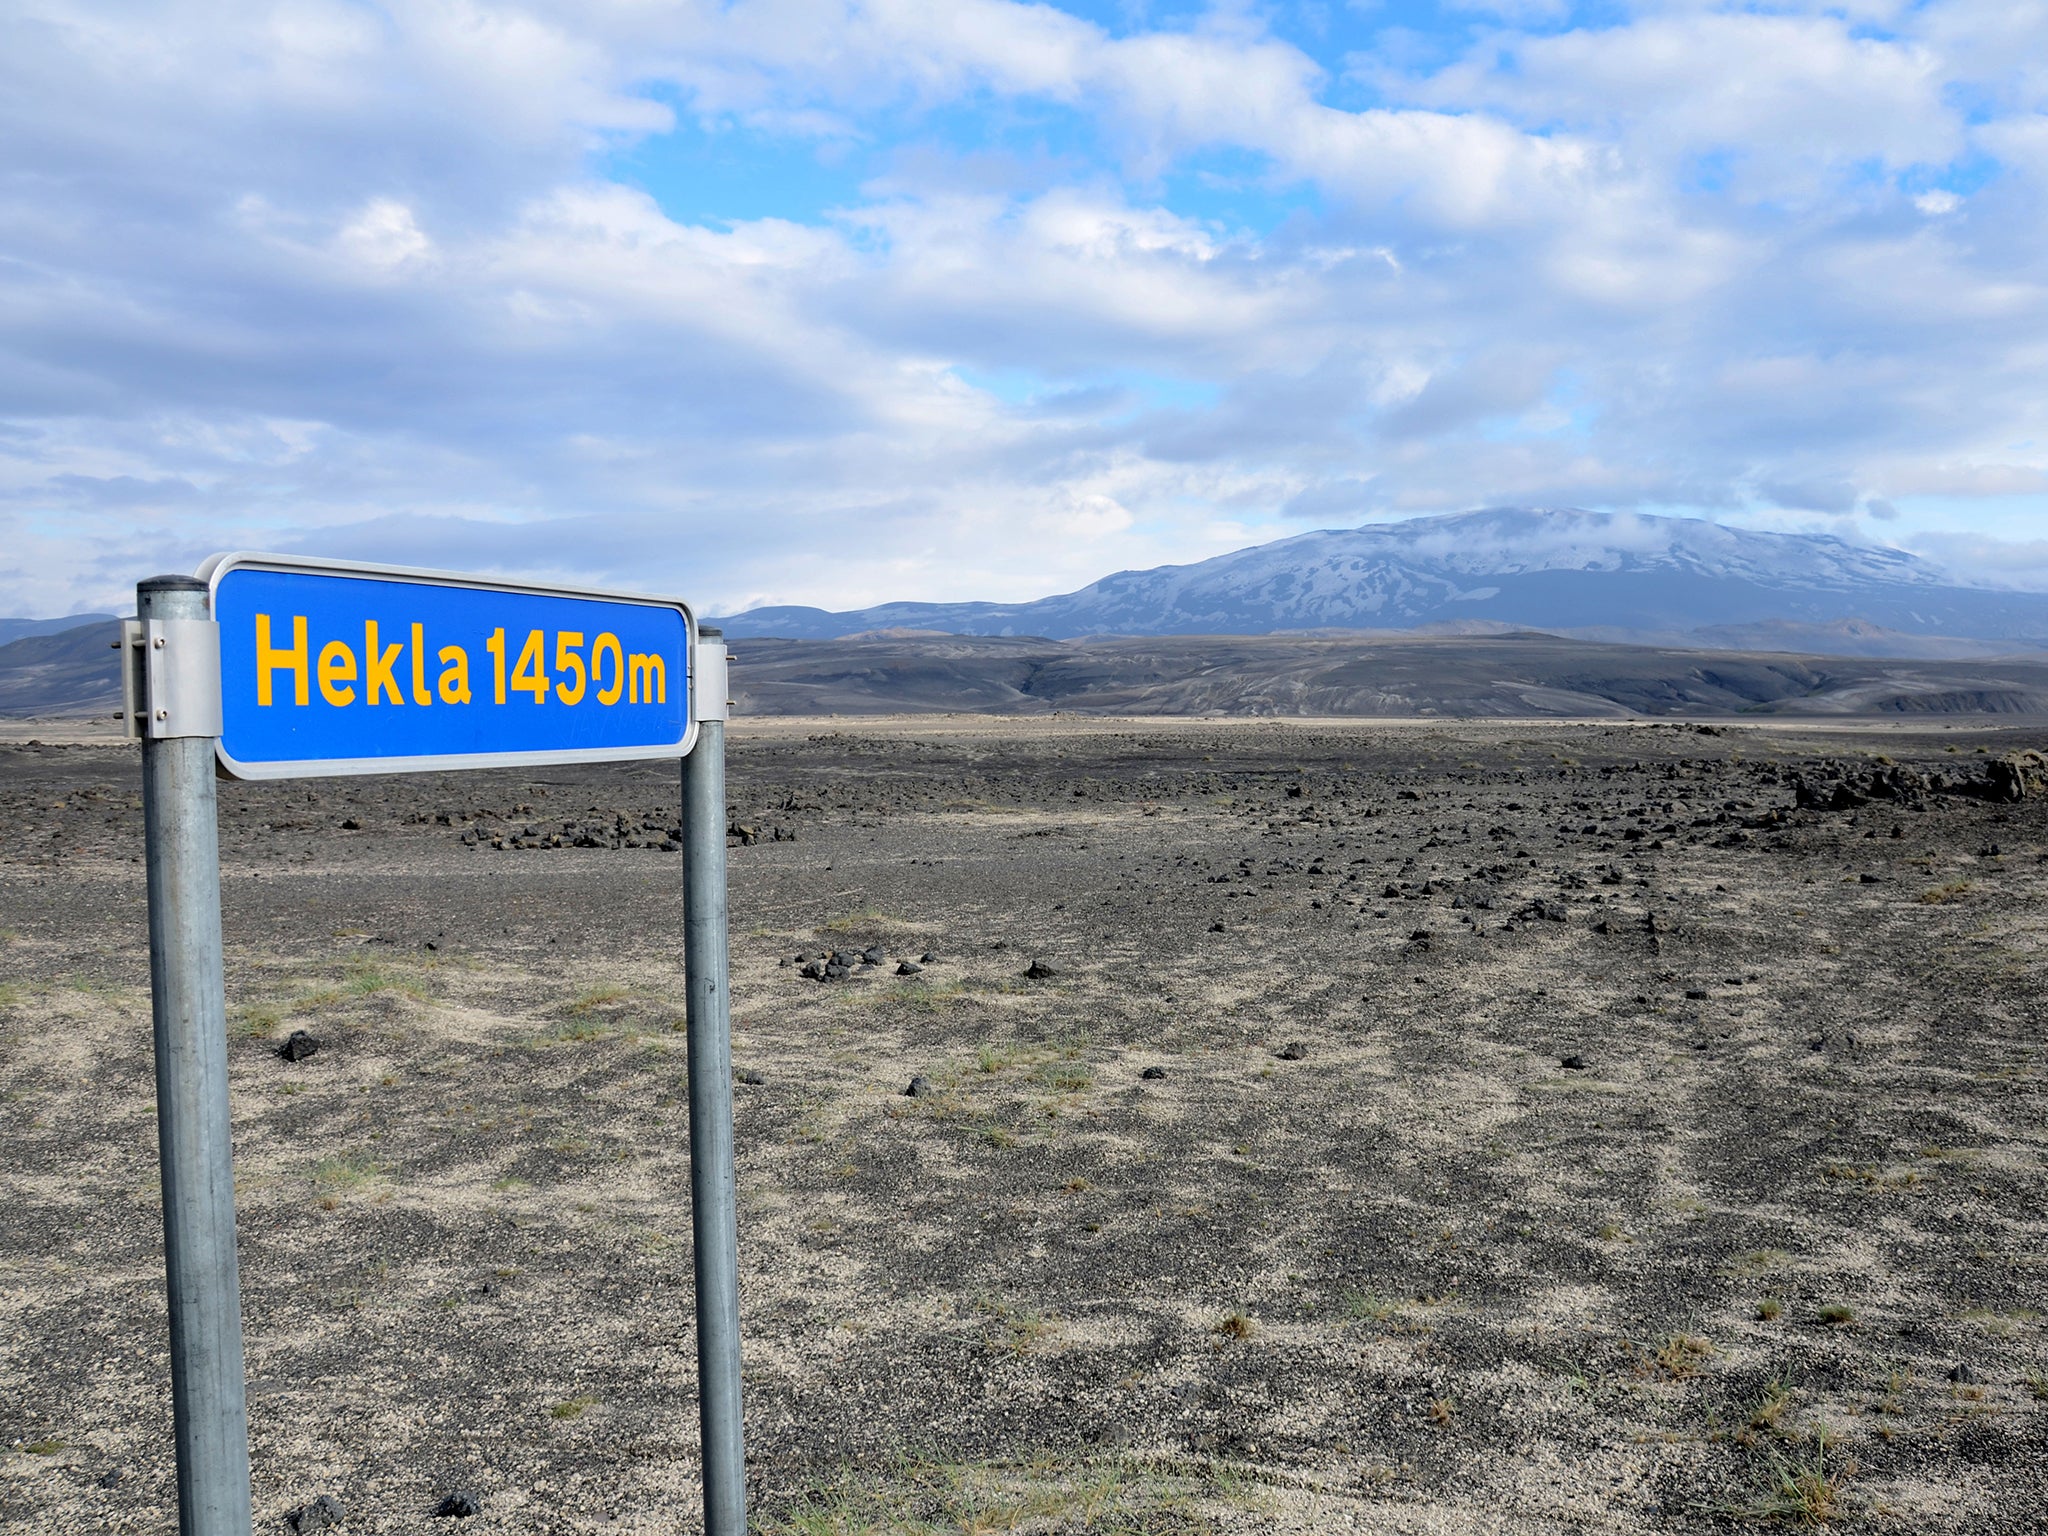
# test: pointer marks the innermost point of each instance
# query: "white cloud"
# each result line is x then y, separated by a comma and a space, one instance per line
322, 274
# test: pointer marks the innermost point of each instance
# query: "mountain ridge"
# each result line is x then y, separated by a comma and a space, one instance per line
1551, 569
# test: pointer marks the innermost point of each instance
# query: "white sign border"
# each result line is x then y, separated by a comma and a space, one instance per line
215, 567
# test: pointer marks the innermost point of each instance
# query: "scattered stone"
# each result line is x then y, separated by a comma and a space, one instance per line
1293, 1050
111, 1479
920, 1088
459, 1505
298, 1046
813, 970
1572, 1063
748, 1075
1963, 1376
1153, 1074
1218, 927
352, 824
873, 955
324, 1513
909, 968
1696, 994
1039, 970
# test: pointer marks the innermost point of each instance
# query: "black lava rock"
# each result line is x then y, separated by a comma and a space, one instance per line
749, 1076
1294, 1050
929, 957
1961, 1374
459, 1505
1153, 1074
298, 1046
324, 1513
920, 1088
1572, 1063
873, 955
909, 968
1039, 970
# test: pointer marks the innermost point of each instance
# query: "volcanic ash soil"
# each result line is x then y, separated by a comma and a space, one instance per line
1315, 1127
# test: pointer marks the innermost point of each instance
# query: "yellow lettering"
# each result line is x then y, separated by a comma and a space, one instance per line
569, 657
379, 667
454, 675
268, 659
598, 648
650, 680
496, 646
531, 675
337, 666
419, 666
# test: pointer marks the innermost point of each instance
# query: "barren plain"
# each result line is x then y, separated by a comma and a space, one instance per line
1322, 1126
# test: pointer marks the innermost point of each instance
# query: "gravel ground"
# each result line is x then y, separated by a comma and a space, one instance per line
1433, 1127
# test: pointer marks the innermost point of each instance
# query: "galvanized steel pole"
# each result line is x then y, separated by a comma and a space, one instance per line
189, 1007
713, 1211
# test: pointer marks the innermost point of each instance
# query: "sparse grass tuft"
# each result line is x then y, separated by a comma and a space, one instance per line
1941, 895
2037, 1384
1036, 1494
1759, 1261
571, 1407
1769, 1310
1838, 1314
1017, 1330
1802, 1491
1681, 1356
1066, 1076
258, 1021
1369, 1307
596, 997
359, 979
1236, 1325
336, 1178
1443, 1410
1763, 1418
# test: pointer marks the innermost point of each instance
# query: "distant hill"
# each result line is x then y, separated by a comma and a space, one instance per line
1668, 580
73, 671
17, 629
1398, 676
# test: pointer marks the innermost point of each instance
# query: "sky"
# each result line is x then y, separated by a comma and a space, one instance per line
814, 301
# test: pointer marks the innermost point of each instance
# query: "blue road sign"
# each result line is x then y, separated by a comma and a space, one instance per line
327, 668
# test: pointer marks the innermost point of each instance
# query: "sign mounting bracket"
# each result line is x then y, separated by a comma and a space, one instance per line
170, 678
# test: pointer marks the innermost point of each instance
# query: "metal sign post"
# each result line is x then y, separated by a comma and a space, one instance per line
268, 667
714, 1219
171, 646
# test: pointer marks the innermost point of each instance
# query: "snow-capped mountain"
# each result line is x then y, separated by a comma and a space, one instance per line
1537, 568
